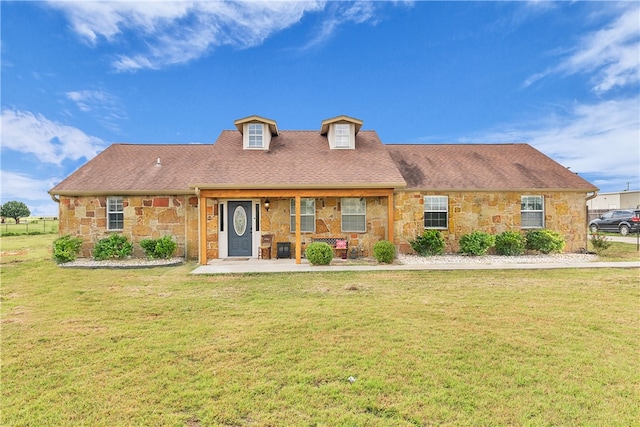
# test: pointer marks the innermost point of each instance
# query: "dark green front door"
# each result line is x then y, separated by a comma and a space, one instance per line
240, 232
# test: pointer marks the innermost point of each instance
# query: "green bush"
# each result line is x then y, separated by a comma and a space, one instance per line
66, 248
430, 243
510, 243
163, 247
319, 253
600, 243
384, 251
114, 246
544, 241
476, 243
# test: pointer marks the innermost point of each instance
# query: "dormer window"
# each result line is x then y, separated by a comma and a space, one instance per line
341, 132
255, 135
256, 132
342, 135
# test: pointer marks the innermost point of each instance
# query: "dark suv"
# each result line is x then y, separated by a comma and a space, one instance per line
623, 221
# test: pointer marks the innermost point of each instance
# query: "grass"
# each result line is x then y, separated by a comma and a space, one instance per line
618, 252
161, 347
29, 226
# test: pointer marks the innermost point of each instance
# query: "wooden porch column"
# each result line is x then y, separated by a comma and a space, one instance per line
298, 233
202, 222
390, 217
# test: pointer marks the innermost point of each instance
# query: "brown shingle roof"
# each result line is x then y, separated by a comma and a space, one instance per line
131, 168
295, 159
482, 166
301, 159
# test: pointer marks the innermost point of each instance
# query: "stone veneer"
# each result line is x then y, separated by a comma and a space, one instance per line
328, 224
156, 216
145, 217
491, 212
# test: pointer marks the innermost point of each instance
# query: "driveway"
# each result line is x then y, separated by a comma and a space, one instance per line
631, 238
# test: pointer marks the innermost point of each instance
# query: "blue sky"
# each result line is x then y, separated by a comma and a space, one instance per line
78, 76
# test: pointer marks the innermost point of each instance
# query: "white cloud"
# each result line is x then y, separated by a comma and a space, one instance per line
31, 191
611, 54
50, 142
600, 139
180, 31
102, 105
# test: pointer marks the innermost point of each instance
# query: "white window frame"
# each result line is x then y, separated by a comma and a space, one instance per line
303, 214
435, 205
342, 135
255, 135
350, 211
528, 208
115, 207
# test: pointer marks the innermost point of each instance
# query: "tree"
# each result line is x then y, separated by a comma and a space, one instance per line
15, 210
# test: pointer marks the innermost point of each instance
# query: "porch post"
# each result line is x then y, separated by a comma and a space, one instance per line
202, 222
390, 217
298, 233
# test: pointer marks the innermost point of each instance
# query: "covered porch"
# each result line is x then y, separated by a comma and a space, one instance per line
282, 213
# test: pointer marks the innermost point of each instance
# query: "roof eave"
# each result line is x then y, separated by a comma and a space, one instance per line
208, 186
324, 128
495, 190
273, 126
89, 193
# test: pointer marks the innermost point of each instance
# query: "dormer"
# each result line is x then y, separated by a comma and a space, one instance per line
341, 132
256, 132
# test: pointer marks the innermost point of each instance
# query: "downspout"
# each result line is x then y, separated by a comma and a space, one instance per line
57, 200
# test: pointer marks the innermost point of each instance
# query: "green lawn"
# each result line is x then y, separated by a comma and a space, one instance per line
161, 347
33, 226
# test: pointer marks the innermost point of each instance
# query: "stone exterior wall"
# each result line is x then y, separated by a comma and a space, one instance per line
328, 224
145, 217
156, 216
491, 212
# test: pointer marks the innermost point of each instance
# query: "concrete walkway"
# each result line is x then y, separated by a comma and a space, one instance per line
241, 266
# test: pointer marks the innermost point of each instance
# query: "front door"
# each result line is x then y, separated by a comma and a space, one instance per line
240, 228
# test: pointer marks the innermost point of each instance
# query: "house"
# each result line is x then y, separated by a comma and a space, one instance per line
340, 181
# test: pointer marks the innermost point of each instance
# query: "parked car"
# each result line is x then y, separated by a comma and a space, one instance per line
623, 221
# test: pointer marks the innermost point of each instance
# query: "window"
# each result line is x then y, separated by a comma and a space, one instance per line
115, 213
354, 214
342, 136
532, 212
436, 212
307, 215
255, 135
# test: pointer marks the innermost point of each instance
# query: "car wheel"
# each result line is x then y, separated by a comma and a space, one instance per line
624, 230
594, 228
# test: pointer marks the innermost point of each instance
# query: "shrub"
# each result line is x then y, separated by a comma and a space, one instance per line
600, 243
66, 248
384, 251
163, 247
510, 243
544, 241
476, 243
319, 253
430, 243
114, 246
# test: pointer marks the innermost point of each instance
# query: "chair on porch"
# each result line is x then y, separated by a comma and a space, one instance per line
266, 241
